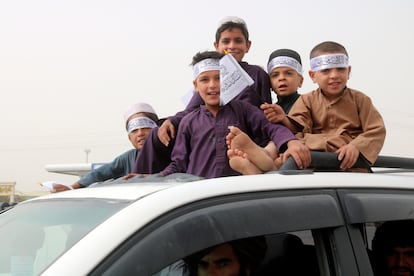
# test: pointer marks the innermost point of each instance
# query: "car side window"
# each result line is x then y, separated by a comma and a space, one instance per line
211, 222
290, 253
369, 211
391, 247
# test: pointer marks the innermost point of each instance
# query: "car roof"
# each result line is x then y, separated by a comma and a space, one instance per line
386, 171
204, 188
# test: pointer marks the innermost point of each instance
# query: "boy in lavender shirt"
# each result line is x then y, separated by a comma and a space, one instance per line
232, 36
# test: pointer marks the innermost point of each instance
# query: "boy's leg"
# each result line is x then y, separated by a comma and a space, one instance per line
289, 165
324, 161
329, 161
272, 150
320, 161
240, 163
237, 139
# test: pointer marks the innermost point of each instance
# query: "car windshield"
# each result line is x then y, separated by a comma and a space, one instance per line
37, 233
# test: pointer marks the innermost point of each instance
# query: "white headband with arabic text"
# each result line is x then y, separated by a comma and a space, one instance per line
282, 61
207, 64
328, 61
140, 122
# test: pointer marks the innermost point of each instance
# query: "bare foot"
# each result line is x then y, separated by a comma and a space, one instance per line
237, 139
238, 161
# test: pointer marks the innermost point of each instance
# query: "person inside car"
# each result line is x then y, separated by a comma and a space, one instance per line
393, 249
234, 258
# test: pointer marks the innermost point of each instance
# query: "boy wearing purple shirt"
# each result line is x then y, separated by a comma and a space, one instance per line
200, 148
232, 36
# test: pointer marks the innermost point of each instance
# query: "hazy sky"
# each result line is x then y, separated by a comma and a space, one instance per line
69, 69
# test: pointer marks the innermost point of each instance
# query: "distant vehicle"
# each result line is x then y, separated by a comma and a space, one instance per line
144, 225
78, 169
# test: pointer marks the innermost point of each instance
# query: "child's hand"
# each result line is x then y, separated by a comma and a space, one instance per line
166, 132
131, 175
299, 152
57, 188
348, 155
273, 112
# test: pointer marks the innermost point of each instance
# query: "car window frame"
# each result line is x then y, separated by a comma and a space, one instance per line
371, 205
363, 206
302, 216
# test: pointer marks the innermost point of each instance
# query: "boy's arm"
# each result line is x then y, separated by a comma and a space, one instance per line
111, 170
299, 152
372, 138
107, 171
259, 126
300, 117
180, 152
282, 137
275, 114
166, 131
194, 103
264, 87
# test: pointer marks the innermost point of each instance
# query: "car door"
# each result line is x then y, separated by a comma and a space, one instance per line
314, 214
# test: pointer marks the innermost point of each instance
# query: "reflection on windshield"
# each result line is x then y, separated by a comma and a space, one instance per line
34, 234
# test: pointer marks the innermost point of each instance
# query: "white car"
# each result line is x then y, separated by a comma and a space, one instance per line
145, 226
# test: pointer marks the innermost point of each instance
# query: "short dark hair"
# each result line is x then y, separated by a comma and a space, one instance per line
393, 233
250, 253
327, 47
230, 25
287, 53
205, 55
